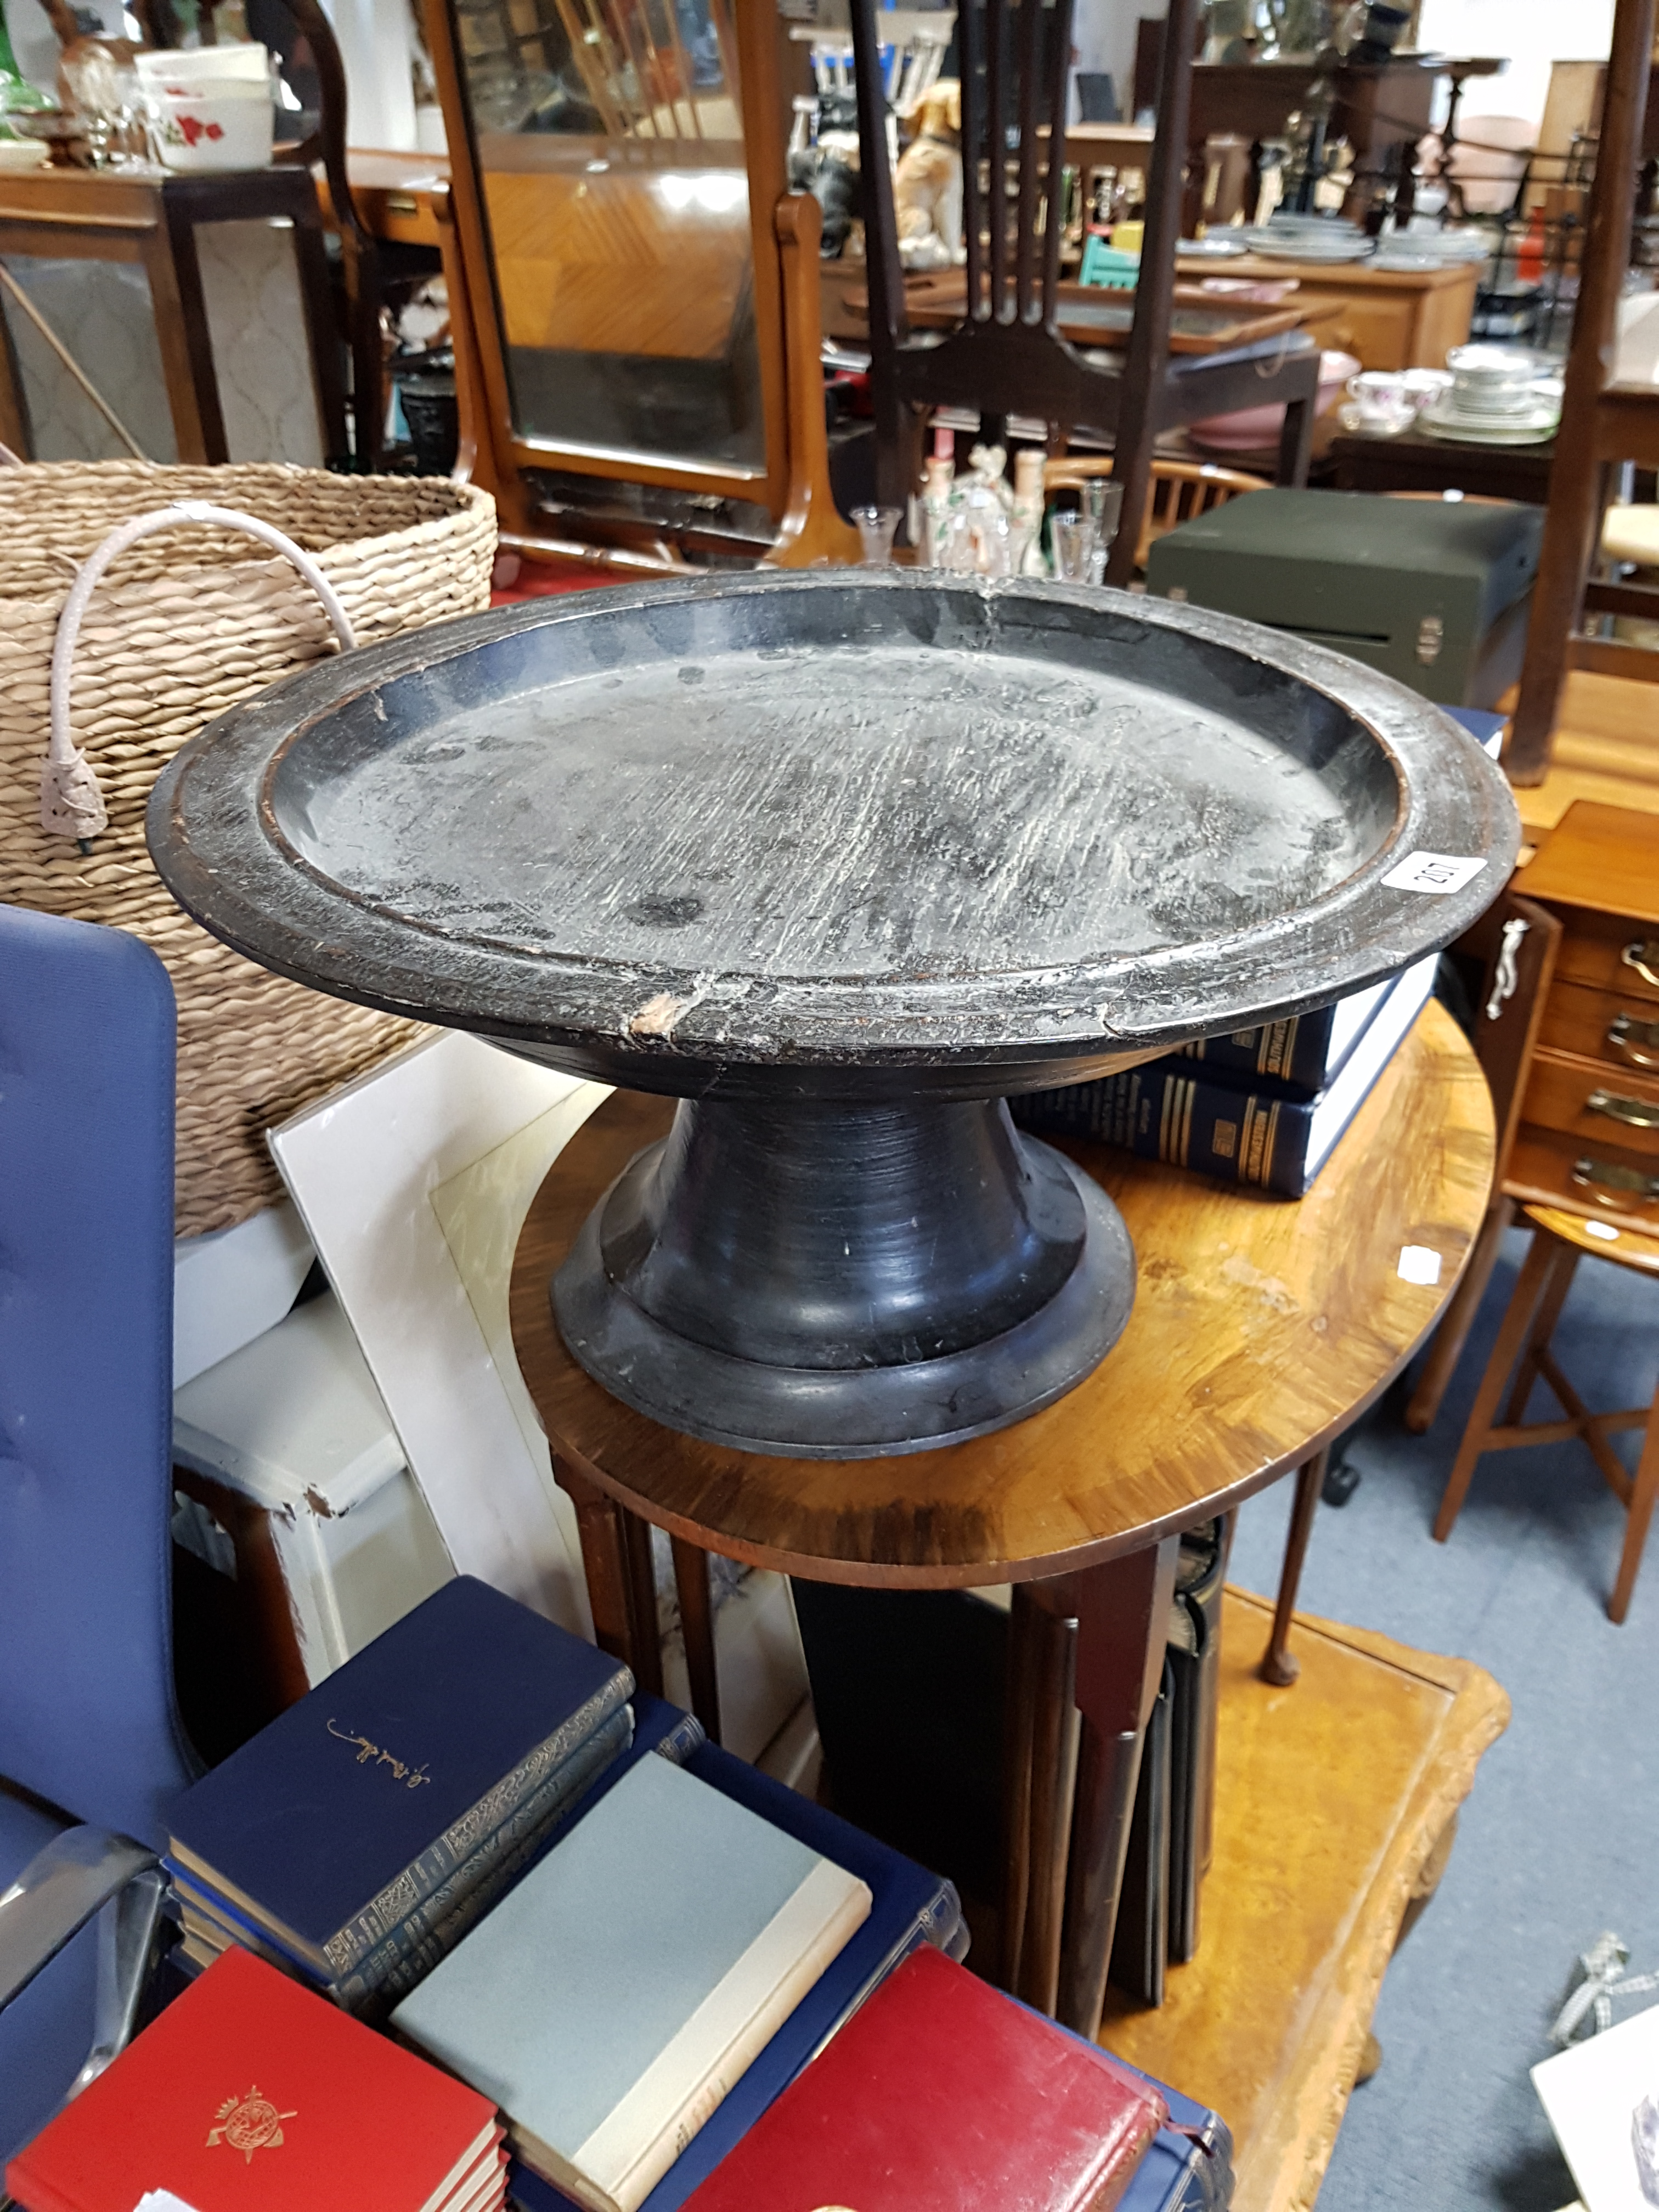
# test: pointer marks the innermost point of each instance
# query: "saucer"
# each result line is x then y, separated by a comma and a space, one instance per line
1530, 428
1361, 426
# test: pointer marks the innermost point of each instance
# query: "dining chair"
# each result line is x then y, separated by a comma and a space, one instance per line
1178, 490
1007, 356
91, 1748
1522, 1357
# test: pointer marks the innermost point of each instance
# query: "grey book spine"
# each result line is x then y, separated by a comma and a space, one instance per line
346, 1950
395, 1964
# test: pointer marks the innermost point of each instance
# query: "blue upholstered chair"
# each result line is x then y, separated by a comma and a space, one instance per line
91, 1750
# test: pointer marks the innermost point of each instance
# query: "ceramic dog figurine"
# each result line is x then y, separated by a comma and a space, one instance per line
928, 185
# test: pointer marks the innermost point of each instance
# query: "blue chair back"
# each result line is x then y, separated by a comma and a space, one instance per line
87, 1719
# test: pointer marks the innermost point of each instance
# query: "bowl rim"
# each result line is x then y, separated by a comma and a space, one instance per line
215, 838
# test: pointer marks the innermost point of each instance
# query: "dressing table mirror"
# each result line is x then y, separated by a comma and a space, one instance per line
643, 288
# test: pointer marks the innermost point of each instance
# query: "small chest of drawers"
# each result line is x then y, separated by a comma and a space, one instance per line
1589, 1134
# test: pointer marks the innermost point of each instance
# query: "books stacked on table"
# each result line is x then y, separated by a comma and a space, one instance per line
354, 1841
1185, 2167
632, 1976
251, 2094
1263, 1106
909, 1909
939, 2094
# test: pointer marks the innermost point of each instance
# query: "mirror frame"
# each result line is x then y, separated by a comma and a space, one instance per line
759, 30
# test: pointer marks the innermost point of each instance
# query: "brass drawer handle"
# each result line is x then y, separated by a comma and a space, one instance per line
1591, 1172
1634, 1113
1644, 957
1622, 1041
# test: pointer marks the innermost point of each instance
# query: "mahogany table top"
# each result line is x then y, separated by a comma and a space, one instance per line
1261, 1328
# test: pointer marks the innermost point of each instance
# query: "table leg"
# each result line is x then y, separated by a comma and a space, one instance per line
1019, 1714
609, 1565
1530, 1287
1537, 1344
181, 326
1055, 1727
14, 431
697, 1625
1278, 1666
1643, 1492
642, 1595
311, 269
1296, 443
1122, 1612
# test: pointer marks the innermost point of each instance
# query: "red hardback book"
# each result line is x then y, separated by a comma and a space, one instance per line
250, 2094
941, 2095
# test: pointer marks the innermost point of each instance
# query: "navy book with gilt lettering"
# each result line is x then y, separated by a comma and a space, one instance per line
333, 1827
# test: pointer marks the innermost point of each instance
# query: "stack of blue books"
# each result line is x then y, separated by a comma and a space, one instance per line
355, 1841
479, 1836
1263, 1106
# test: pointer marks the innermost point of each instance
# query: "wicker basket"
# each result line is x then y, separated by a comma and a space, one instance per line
188, 622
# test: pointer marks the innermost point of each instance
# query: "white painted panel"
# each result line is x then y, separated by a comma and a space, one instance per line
363, 1166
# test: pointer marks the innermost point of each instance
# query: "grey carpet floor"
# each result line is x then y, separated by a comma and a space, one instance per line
1560, 1837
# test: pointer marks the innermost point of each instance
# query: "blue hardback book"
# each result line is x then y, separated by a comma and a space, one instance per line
659, 1727
1295, 1058
332, 1826
908, 1906
1228, 1125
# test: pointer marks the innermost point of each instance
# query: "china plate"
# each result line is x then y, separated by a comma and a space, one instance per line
1522, 431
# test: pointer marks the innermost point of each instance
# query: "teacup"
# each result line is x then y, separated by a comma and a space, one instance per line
1383, 400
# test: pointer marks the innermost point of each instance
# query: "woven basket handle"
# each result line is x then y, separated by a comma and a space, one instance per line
71, 805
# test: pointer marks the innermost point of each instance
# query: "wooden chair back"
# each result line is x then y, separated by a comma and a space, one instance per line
1178, 491
359, 254
1007, 356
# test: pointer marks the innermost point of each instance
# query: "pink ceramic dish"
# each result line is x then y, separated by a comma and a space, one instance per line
1256, 427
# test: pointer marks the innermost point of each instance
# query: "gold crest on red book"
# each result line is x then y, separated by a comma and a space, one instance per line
248, 2123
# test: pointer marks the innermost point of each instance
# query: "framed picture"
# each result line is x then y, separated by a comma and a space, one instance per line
1602, 2099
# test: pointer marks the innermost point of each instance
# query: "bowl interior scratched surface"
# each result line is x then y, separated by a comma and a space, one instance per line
836, 833
890, 809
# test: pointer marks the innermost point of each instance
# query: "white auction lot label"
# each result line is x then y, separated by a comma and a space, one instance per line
1432, 872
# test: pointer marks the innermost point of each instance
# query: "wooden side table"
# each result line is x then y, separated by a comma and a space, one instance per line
1261, 1329
1335, 1805
1418, 461
1391, 318
151, 217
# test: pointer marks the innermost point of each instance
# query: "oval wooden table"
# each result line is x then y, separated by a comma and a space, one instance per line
1261, 1330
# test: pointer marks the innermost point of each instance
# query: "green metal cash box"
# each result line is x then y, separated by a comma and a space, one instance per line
1433, 592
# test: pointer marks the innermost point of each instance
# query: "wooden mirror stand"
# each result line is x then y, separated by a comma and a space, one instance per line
642, 328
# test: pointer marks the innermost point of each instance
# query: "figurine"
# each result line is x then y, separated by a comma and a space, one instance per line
928, 185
